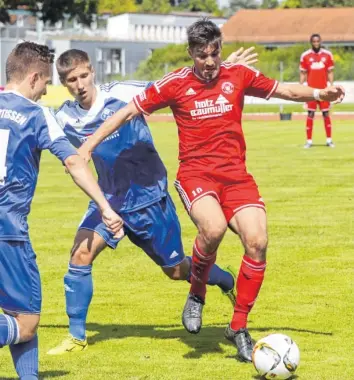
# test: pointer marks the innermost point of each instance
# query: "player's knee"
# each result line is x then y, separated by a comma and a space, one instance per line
180, 271
311, 114
27, 333
256, 246
213, 235
28, 327
81, 255
174, 273
325, 113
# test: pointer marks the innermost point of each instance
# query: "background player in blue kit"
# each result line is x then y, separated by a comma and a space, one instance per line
25, 130
134, 179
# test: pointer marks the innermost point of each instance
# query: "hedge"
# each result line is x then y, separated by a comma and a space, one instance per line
172, 57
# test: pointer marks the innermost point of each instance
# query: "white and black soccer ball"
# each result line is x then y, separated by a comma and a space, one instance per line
276, 356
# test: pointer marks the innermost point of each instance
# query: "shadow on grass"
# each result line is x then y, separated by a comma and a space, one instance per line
319, 146
209, 340
257, 377
43, 375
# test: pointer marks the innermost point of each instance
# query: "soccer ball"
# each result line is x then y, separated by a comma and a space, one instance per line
276, 356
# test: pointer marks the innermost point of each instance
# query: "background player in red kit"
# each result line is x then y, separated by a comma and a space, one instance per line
316, 67
213, 182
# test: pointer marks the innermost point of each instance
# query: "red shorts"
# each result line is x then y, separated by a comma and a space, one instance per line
323, 105
234, 191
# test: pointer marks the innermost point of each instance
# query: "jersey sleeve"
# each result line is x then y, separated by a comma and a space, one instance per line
51, 136
258, 85
303, 63
126, 90
62, 113
159, 94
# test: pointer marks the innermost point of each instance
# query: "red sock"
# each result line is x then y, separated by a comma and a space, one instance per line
309, 127
249, 282
201, 265
328, 126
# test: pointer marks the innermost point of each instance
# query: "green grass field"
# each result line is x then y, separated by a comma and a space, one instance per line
134, 324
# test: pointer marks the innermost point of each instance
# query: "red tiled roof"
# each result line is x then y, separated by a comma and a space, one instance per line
290, 25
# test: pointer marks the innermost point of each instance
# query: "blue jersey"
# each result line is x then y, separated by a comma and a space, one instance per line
25, 130
130, 171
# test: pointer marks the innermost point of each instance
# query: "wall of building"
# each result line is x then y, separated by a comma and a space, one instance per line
132, 54
60, 46
152, 27
6, 46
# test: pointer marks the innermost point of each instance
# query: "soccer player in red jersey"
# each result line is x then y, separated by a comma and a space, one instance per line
215, 187
316, 67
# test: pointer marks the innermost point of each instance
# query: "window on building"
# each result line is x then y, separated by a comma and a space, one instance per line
116, 59
99, 55
109, 64
19, 21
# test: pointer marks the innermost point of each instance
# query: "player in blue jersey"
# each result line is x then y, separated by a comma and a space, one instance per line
25, 130
134, 179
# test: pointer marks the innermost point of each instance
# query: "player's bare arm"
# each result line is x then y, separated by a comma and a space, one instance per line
242, 56
331, 76
109, 126
83, 177
303, 77
299, 93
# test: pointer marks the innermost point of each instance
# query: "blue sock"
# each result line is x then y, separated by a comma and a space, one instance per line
9, 333
224, 280
78, 294
25, 358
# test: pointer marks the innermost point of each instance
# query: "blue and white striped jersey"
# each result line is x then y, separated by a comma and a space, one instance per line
130, 171
26, 129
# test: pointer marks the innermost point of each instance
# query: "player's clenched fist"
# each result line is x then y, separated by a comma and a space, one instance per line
333, 94
114, 222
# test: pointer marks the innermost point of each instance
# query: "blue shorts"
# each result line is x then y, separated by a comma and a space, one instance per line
155, 229
20, 283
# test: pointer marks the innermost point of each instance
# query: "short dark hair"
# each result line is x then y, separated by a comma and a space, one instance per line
202, 33
68, 60
27, 56
314, 36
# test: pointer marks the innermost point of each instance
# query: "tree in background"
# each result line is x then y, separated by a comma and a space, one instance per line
291, 4
53, 10
208, 6
84, 10
327, 3
155, 6
317, 3
269, 4
116, 6
172, 57
236, 5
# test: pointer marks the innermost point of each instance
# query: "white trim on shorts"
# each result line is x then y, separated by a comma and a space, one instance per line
90, 229
168, 266
188, 204
257, 205
319, 109
183, 194
20, 312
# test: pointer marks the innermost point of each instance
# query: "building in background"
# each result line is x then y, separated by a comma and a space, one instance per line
116, 45
284, 27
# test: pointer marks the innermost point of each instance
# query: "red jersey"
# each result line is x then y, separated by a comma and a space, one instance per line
208, 114
317, 65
